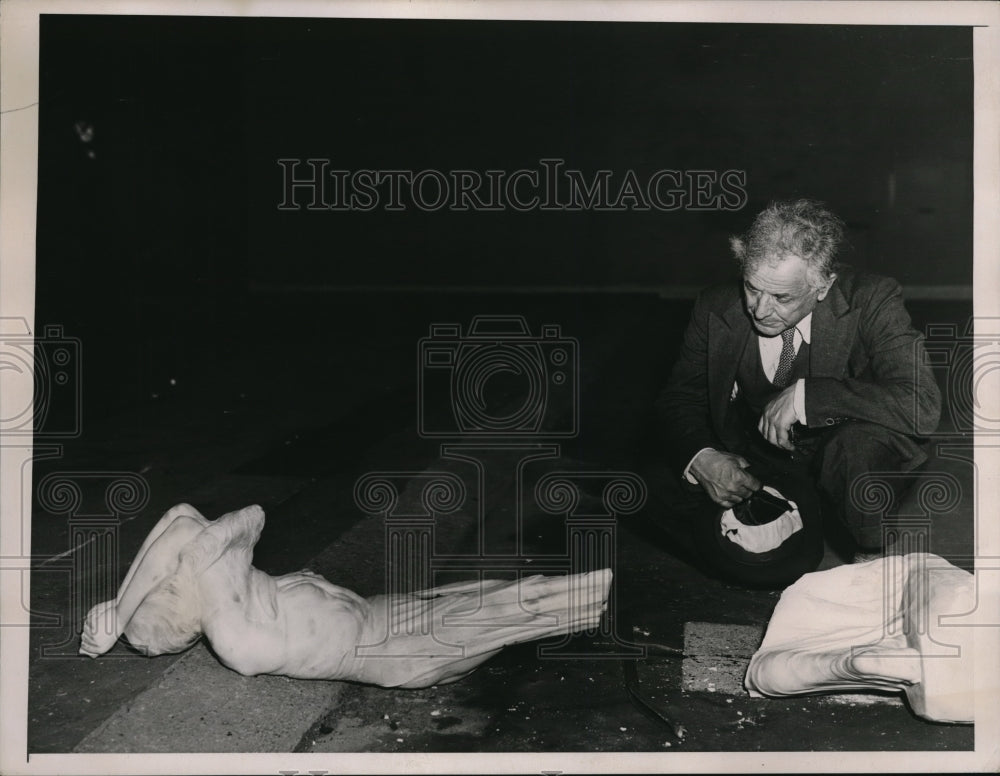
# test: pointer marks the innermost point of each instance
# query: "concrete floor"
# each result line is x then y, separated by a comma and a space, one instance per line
290, 417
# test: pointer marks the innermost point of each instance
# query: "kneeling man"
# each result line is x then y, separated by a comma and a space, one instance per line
803, 376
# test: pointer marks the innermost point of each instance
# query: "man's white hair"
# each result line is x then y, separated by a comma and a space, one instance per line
803, 228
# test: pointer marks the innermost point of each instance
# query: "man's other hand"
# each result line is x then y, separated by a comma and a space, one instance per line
777, 419
724, 477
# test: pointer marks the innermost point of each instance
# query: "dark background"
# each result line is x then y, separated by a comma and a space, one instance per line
160, 239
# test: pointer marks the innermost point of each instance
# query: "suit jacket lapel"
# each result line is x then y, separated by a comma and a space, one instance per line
834, 327
728, 334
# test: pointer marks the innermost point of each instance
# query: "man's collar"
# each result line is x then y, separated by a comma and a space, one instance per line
805, 328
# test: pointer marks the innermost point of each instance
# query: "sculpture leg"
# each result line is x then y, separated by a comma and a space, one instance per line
835, 630
788, 671
939, 609
440, 635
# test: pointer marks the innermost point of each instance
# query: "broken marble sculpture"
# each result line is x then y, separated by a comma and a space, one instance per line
900, 623
193, 577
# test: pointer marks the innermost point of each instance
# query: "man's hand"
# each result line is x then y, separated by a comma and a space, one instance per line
777, 419
723, 477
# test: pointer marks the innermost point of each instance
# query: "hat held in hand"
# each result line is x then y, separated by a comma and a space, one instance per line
762, 522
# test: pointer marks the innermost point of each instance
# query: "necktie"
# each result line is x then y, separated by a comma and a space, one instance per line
786, 359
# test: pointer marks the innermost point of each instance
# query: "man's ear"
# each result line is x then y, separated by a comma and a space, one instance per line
825, 288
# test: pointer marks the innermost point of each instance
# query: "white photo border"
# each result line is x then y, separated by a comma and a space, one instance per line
19, 89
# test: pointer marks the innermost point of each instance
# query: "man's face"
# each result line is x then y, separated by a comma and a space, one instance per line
778, 295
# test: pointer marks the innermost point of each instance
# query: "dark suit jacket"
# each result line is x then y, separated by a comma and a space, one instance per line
866, 363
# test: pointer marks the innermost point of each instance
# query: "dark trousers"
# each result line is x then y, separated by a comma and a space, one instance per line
822, 477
